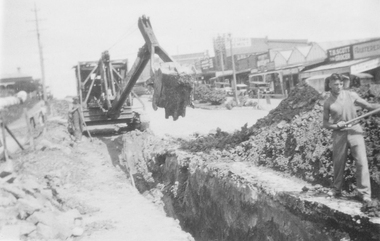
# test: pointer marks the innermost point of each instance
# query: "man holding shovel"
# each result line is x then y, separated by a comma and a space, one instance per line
340, 108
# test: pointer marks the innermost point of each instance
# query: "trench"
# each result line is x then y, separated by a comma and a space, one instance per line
233, 201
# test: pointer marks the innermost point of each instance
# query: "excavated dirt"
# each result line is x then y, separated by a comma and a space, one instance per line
216, 198
172, 91
214, 201
291, 139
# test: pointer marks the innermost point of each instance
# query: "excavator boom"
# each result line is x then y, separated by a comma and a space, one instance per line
172, 76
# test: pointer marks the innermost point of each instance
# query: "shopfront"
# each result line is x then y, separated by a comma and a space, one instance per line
352, 61
371, 50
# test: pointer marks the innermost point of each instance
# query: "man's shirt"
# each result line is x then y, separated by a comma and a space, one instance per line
342, 108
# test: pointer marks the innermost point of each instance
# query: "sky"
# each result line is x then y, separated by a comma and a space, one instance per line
80, 30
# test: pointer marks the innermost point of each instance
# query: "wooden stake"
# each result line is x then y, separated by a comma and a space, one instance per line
4, 139
14, 137
30, 132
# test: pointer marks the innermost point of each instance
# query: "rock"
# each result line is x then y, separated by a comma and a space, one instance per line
14, 190
77, 231
29, 204
8, 215
6, 199
43, 216
305, 189
10, 232
72, 214
46, 231
52, 225
31, 185
26, 227
281, 124
47, 193
44, 144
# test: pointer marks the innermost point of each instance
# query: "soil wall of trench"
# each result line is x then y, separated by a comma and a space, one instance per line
226, 200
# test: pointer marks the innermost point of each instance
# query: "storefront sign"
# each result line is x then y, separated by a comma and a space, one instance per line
339, 54
262, 61
366, 50
237, 42
364, 66
271, 66
207, 64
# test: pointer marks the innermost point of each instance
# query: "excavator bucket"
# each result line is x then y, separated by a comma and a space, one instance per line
173, 85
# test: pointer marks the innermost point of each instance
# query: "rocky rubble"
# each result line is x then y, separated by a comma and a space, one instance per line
29, 210
33, 188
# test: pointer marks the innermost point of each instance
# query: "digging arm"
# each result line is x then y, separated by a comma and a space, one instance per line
145, 54
129, 81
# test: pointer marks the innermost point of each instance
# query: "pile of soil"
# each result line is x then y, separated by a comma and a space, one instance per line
291, 139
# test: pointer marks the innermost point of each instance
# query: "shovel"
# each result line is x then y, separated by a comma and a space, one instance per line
362, 116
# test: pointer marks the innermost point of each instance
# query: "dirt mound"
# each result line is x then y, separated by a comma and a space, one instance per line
301, 99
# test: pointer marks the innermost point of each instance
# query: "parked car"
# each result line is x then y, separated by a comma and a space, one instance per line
242, 89
258, 87
224, 86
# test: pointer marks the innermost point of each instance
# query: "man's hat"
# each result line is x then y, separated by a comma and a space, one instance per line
75, 99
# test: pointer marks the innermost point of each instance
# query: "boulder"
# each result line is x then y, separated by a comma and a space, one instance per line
29, 204
10, 232
14, 190
46, 231
26, 227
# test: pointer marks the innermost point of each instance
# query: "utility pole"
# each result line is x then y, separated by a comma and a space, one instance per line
41, 55
220, 48
233, 72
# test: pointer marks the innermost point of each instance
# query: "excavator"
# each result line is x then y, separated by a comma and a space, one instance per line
105, 88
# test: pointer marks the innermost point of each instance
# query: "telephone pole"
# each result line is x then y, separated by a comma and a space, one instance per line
233, 71
41, 56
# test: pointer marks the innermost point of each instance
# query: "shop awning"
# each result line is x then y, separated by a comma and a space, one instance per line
268, 72
365, 66
243, 71
339, 68
363, 75
223, 73
315, 77
336, 65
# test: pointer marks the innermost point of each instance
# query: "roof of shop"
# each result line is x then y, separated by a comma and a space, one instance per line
304, 49
336, 65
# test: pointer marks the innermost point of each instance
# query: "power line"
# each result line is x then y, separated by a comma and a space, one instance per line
125, 35
40, 53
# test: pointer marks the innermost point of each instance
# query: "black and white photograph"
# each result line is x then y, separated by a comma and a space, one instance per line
189, 120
